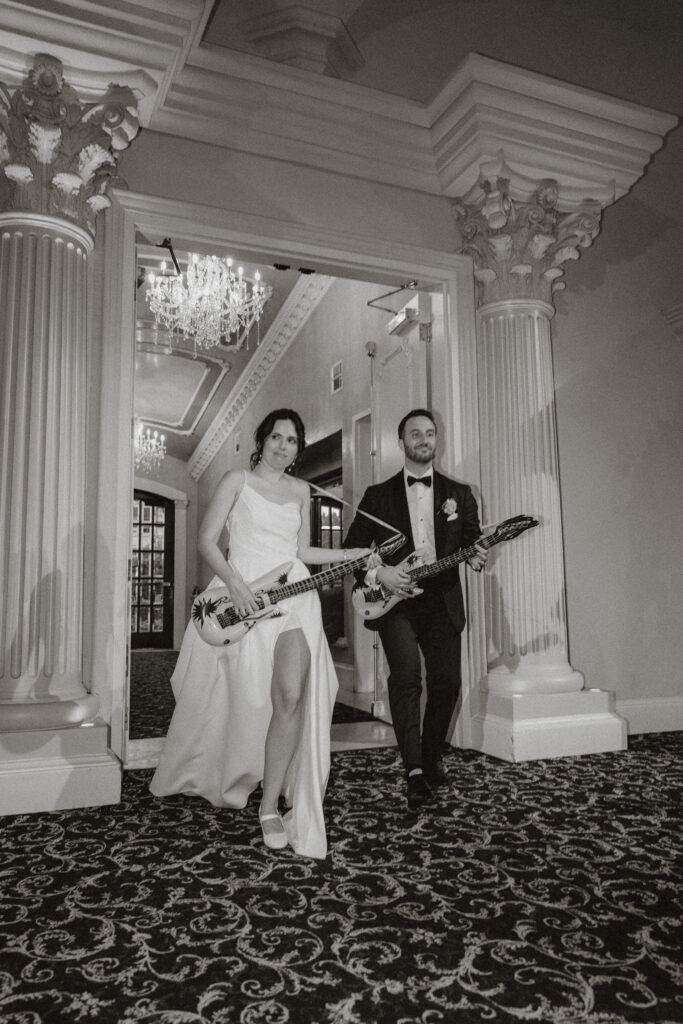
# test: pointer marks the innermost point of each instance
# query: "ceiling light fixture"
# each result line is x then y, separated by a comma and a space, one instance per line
149, 448
210, 303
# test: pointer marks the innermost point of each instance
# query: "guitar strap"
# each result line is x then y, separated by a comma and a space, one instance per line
396, 535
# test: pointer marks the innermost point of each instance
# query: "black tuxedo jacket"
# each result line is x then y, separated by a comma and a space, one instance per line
388, 501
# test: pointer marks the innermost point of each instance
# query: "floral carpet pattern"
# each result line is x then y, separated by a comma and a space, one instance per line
152, 703
547, 891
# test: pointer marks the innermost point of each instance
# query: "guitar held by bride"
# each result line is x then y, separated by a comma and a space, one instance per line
219, 623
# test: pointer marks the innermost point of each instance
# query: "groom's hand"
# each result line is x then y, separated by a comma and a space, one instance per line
478, 560
397, 581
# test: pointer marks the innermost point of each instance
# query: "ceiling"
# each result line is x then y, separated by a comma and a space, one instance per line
411, 47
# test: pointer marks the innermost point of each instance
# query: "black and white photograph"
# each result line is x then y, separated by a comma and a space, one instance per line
341, 478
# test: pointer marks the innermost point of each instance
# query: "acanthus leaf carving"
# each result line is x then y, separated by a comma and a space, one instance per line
57, 153
514, 243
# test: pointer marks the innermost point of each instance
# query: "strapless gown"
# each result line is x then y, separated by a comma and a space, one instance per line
215, 743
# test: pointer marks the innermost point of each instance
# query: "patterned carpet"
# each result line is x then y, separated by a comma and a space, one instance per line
151, 697
547, 891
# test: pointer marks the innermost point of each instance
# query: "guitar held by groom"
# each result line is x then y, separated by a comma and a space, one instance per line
439, 516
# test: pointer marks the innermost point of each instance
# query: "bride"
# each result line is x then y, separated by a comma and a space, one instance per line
259, 710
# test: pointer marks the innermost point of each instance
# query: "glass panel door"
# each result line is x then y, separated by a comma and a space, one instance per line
152, 571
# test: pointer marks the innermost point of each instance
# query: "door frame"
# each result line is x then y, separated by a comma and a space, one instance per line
454, 395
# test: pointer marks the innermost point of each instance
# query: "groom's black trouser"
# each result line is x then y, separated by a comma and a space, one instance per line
421, 623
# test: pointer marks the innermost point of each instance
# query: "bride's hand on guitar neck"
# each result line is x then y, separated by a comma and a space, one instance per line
397, 581
243, 599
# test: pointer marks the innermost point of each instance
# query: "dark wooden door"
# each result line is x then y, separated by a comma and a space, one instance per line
152, 571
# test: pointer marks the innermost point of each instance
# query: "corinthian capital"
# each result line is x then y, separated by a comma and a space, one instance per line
519, 240
58, 155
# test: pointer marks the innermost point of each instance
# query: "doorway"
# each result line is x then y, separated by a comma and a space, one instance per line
453, 376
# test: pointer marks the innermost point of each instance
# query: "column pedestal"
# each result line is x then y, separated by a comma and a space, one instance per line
55, 769
530, 727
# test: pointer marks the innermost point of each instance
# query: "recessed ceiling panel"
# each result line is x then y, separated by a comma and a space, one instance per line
166, 386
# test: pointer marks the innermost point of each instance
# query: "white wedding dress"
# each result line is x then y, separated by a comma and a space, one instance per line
215, 743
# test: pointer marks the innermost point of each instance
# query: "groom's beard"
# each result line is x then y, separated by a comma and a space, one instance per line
421, 453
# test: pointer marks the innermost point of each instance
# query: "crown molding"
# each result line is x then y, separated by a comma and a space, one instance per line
254, 105
594, 146
301, 302
302, 37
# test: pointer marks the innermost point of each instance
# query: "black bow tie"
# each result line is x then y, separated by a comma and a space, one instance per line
426, 480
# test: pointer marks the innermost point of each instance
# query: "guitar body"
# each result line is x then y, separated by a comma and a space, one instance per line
214, 615
373, 602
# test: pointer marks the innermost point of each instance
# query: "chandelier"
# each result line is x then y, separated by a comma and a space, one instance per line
149, 448
209, 303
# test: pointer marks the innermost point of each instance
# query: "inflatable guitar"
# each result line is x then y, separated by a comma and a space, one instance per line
217, 622
373, 602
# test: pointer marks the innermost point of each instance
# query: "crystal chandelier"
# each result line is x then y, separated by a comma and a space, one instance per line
209, 303
149, 448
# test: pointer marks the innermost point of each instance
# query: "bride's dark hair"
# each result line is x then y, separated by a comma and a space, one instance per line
265, 428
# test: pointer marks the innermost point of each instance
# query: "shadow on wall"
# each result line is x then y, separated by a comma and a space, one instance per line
621, 241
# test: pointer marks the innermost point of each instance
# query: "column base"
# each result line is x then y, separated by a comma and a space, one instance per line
534, 673
47, 713
532, 727
59, 769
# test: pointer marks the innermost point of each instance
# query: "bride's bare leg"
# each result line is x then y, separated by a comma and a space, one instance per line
290, 669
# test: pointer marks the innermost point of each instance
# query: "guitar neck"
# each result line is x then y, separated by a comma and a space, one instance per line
425, 571
320, 579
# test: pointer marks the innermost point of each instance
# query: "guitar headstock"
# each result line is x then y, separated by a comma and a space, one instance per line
510, 528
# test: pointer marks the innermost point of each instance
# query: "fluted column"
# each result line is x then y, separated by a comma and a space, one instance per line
519, 239
57, 157
525, 591
43, 269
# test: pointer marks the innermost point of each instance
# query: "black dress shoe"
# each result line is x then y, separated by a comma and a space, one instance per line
435, 775
418, 791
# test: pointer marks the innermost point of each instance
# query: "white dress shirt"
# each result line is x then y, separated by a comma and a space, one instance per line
421, 509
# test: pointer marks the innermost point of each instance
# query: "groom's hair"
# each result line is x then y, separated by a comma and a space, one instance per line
409, 415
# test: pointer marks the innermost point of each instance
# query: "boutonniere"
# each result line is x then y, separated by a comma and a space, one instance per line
449, 509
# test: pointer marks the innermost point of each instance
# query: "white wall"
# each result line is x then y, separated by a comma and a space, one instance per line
619, 376
167, 166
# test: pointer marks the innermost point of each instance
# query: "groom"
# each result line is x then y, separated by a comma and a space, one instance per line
438, 516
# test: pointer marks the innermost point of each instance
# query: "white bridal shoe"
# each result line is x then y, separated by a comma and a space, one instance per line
274, 840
